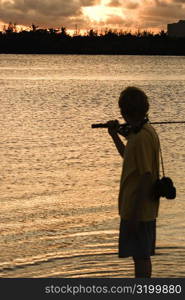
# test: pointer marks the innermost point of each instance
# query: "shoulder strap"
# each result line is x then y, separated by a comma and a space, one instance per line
161, 156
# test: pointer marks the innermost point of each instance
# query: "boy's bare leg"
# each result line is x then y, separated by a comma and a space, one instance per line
143, 267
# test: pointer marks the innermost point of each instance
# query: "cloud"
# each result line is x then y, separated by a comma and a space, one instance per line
114, 3
161, 3
124, 4
57, 13
150, 14
159, 13
85, 3
179, 1
43, 12
115, 20
132, 5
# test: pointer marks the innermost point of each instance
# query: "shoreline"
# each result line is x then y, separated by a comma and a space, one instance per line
90, 53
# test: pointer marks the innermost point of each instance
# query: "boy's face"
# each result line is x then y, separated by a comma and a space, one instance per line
131, 120
125, 117
123, 114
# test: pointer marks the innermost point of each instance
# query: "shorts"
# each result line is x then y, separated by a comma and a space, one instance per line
140, 244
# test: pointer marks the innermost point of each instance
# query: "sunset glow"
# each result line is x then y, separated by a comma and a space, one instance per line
101, 12
95, 13
123, 14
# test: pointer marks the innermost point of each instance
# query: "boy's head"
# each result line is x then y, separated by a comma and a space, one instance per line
133, 104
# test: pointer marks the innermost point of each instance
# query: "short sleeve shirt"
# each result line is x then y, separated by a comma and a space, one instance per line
141, 156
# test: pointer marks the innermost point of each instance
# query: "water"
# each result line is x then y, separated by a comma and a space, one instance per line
60, 178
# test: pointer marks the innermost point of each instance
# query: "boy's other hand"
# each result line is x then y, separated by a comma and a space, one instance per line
113, 127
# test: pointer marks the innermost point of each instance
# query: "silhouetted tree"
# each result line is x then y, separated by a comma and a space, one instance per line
4, 28
15, 27
53, 31
110, 34
92, 33
34, 27
162, 33
63, 31
10, 28
94, 42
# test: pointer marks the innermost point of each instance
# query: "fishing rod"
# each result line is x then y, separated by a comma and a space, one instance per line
106, 125
125, 129
168, 122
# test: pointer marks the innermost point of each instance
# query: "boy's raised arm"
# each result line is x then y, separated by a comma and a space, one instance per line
116, 139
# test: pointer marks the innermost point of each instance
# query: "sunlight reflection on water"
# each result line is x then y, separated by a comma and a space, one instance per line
60, 178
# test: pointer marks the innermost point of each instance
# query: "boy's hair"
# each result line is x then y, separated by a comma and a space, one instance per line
133, 103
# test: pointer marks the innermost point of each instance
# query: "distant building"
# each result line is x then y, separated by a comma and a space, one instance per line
177, 29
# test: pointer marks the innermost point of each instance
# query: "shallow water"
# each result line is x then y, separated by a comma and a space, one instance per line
60, 178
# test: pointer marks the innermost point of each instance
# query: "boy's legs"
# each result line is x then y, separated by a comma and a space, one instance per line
143, 267
140, 246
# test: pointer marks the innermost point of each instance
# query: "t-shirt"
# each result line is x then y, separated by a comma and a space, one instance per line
141, 155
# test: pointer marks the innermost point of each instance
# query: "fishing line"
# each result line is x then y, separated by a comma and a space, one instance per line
168, 122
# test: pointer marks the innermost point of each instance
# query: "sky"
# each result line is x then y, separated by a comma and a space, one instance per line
131, 15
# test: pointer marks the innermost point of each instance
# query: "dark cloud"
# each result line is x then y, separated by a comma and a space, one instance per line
89, 2
44, 12
161, 3
114, 3
126, 4
132, 5
167, 3
55, 13
161, 13
179, 1
43, 7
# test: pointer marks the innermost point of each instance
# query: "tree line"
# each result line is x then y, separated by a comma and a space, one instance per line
46, 41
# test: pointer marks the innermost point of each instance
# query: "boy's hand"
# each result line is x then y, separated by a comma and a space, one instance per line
113, 127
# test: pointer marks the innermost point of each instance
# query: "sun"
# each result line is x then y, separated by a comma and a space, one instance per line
95, 13
101, 12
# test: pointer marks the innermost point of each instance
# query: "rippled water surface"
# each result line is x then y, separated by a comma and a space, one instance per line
60, 178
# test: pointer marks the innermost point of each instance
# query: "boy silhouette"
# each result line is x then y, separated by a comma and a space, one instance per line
138, 208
